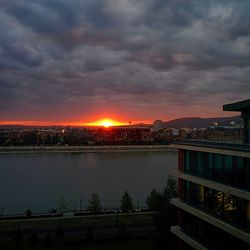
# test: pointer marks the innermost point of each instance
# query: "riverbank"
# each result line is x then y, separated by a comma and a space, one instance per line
85, 149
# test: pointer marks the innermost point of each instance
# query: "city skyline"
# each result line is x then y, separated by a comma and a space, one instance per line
79, 62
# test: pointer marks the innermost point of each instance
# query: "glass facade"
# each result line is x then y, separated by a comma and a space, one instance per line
225, 206
227, 169
248, 130
210, 236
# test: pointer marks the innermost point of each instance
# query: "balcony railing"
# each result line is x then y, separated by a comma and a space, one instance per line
228, 213
212, 219
216, 144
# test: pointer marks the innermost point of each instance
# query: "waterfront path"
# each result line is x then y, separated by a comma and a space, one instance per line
140, 222
68, 216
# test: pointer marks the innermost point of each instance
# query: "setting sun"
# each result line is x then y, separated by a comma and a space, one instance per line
106, 123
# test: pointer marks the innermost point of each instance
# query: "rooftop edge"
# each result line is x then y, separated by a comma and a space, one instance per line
237, 106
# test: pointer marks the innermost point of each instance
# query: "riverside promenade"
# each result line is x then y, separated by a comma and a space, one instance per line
85, 149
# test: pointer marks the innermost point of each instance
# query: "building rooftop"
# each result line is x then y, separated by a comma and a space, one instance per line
220, 145
237, 106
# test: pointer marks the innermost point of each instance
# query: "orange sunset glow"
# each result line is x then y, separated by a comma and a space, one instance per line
106, 122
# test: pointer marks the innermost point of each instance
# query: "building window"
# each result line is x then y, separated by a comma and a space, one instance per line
227, 169
210, 165
217, 174
187, 161
193, 162
246, 173
228, 207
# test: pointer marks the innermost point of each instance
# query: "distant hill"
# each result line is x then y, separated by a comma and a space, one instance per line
12, 126
20, 127
202, 122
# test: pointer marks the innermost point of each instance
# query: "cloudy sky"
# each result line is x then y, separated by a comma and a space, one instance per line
137, 60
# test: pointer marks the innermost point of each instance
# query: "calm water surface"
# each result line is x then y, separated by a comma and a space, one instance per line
39, 180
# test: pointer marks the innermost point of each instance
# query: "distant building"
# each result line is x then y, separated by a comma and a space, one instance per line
225, 133
175, 132
157, 125
214, 191
199, 133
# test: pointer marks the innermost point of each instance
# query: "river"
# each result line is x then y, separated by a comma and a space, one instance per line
40, 180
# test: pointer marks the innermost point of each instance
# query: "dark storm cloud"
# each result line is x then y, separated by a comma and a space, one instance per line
56, 54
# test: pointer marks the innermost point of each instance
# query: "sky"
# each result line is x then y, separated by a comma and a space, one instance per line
128, 60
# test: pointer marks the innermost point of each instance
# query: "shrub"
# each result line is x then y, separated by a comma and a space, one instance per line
28, 213
126, 202
95, 204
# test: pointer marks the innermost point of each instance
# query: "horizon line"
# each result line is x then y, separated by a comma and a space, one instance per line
90, 124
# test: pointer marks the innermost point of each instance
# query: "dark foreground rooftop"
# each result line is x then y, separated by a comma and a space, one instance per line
237, 106
220, 145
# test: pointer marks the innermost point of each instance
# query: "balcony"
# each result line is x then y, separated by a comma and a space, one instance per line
217, 202
200, 234
225, 166
211, 219
244, 194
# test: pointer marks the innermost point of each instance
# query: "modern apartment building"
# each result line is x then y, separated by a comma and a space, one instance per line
214, 191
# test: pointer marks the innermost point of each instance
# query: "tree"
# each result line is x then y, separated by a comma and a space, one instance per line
30, 138
95, 204
161, 200
48, 140
28, 213
126, 202
55, 139
39, 140
154, 200
170, 191
166, 217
